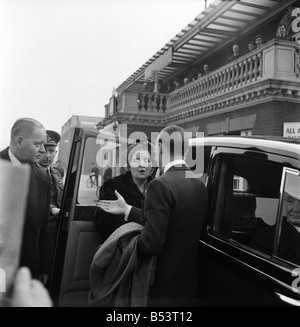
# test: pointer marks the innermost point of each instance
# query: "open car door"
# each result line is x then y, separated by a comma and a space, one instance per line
77, 239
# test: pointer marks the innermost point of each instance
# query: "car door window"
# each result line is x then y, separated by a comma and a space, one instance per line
288, 245
89, 179
101, 160
247, 198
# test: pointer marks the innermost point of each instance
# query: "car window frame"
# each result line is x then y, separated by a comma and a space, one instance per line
279, 218
217, 153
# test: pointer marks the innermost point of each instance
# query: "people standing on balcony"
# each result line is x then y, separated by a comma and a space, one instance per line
281, 33
160, 99
141, 95
251, 46
258, 41
170, 87
145, 87
176, 84
186, 81
235, 55
160, 87
206, 69
193, 74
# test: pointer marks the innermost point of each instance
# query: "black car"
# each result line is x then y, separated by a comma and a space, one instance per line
247, 179
249, 251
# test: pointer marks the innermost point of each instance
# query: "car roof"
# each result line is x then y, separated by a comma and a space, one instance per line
273, 144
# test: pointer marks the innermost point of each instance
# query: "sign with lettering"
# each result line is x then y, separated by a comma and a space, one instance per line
291, 129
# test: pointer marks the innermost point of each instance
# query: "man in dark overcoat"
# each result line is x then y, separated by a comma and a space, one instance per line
28, 137
56, 184
174, 210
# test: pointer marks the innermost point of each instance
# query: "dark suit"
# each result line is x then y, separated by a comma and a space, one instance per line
56, 191
173, 214
35, 247
232, 58
284, 37
56, 187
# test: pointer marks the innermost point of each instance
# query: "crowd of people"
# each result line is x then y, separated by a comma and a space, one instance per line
168, 209
152, 213
163, 206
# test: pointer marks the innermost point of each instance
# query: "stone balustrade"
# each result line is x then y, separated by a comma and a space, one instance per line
276, 60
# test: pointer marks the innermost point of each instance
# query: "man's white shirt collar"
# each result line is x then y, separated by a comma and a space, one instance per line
13, 159
174, 163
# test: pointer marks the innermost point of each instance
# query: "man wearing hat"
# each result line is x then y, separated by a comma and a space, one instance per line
56, 183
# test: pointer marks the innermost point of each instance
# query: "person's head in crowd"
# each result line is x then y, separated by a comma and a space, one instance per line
51, 144
206, 69
186, 81
176, 83
145, 86
139, 158
27, 140
258, 41
159, 85
292, 201
171, 144
251, 46
236, 49
281, 30
170, 87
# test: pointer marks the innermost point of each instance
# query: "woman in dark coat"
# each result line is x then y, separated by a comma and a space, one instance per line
131, 185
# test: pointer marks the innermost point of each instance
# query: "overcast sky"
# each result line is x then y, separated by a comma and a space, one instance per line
61, 58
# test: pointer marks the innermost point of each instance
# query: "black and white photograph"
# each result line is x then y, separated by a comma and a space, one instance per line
150, 156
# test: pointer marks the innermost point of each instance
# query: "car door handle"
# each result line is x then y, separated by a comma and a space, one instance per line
288, 299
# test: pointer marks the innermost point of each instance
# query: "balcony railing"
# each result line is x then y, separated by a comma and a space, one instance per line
244, 71
152, 101
277, 59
